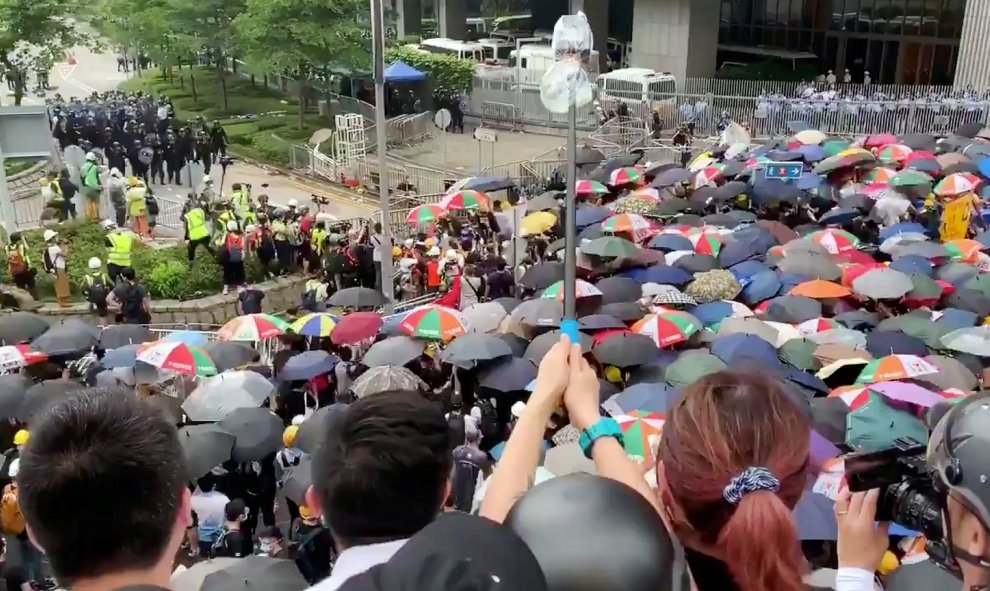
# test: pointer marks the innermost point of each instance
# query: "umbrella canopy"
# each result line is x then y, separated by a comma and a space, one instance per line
257, 572
205, 447
13, 387
626, 350
973, 340
187, 337
751, 326
881, 284
641, 430
466, 350
18, 356
792, 309
257, 432
436, 323
253, 327
691, 366
610, 247
39, 397
800, 354
357, 297
297, 479
542, 344
820, 290
619, 289
356, 327
876, 425
323, 423
895, 367
307, 365
21, 327
394, 351
666, 329
66, 339
228, 355
222, 394
511, 374
744, 350
315, 324
178, 357
920, 576
387, 378
649, 397
119, 335
880, 343
542, 275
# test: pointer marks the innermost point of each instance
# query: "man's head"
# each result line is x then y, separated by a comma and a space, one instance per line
383, 475
98, 454
235, 511
128, 274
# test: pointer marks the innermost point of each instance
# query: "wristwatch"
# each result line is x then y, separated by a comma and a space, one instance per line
605, 427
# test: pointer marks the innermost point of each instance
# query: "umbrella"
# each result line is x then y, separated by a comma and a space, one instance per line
883, 342
619, 289
297, 479
13, 388
582, 289
839, 216
711, 314
820, 290
749, 326
484, 317
649, 397
624, 311
610, 247
540, 312
256, 572
18, 356
307, 365
895, 367
466, 350
876, 425
437, 323
973, 340
542, 344
920, 576
228, 355
810, 265
586, 155
393, 351
119, 335
588, 187
387, 378
742, 350
641, 431
187, 337
671, 177
39, 397
222, 394
191, 579
951, 374
357, 297
800, 354
625, 350
691, 366
205, 447
65, 339
257, 432
21, 327
465, 200
253, 327
881, 284
511, 374
835, 241
319, 426
626, 175
356, 327
792, 309
544, 201
668, 328
425, 214
178, 357
600, 322
315, 324
542, 275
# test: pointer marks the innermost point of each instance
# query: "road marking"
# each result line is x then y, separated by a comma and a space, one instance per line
66, 70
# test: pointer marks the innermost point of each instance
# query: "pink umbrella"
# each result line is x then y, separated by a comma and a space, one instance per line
907, 392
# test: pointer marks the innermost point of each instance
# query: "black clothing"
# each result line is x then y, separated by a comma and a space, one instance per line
234, 544
131, 297
251, 301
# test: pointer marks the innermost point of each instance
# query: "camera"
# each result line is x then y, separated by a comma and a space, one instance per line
908, 495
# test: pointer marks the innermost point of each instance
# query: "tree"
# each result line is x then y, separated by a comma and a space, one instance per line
303, 37
36, 34
205, 28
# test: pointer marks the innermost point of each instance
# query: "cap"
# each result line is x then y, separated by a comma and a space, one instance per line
49, 234
95, 263
21, 437
456, 551
289, 435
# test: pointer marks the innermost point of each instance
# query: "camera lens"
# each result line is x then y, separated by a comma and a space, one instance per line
914, 504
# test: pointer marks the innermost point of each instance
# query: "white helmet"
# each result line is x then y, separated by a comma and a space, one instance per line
293, 203
409, 242
207, 179
232, 226
451, 255
95, 263
249, 228
108, 224
91, 156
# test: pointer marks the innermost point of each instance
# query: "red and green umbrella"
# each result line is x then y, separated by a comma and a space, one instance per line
627, 175
627, 222
964, 249
879, 176
582, 289
707, 177
425, 214
465, 199
641, 433
894, 153
16, 356
706, 243
435, 323
895, 367
178, 357
835, 241
253, 327
668, 328
587, 187
757, 161
956, 184
910, 178
817, 325
316, 324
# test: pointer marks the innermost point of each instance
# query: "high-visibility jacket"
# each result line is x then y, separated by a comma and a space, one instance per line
90, 174
240, 202
120, 253
136, 203
56, 191
316, 239
279, 231
196, 224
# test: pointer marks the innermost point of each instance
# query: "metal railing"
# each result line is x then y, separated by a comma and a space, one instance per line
789, 89
499, 116
408, 129
527, 109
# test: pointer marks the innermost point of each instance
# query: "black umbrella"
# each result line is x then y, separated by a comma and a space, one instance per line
919, 141
542, 275
21, 327
920, 576
697, 263
857, 319
119, 335
828, 417
508, 375
508, 304
793, 309
542, 344
624, 311
467, 349
323, 423
840, 216
619, 289
670, 207
169, 406
297, 479
731, 190
732, 168
881, 343
770, 191
515, 342
742, 249
588, 155
12, 390
39, 397
257, 432
256, 572
205, 447
600, 322
387, 378
970, 129
228, 355
858, 201
659, 167
544, 201
393, 351
357, 297
543, 313
626, 350
65, 339
671, 177
970, 300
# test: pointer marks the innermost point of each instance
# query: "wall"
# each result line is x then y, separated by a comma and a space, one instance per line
676, 36
972, 66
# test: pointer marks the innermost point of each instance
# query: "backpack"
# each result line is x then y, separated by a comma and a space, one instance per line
97, 291
464, 482
11, 518
488, 425
47, 262
15, 261
235, 250
152, 204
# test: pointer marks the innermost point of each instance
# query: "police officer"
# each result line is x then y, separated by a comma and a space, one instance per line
197, 230
119, 245
96, 286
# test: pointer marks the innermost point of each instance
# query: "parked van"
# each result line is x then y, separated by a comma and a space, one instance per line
497, 51
536, 59
641, 89
461, 49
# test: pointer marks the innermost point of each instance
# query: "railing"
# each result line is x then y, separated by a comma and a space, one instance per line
527, 107
500, 116
790, 89
408, 129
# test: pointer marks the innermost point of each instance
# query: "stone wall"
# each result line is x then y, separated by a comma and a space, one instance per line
280, 294
27, 178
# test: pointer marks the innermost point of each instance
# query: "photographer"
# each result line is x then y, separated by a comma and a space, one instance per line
949, 503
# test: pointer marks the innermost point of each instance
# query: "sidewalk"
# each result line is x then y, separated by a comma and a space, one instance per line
460, 152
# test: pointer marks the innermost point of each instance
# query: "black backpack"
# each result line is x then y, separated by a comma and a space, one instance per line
464, 482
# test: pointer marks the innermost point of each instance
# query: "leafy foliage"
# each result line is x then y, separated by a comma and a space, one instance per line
451, 76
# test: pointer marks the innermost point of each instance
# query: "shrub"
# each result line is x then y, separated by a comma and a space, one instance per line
168, 279
450, 75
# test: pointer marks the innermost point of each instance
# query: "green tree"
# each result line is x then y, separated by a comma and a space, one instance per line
142, 27
204, 28
34, 34
302, 37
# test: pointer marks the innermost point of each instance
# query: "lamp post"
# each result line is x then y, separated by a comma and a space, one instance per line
381, 138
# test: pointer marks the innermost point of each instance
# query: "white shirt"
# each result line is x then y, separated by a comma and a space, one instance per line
56, 256
376, 242
356, 560
209, 508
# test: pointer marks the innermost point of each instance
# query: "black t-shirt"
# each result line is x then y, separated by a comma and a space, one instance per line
251, 300
131, 298
234, 544
500, 284
314, 549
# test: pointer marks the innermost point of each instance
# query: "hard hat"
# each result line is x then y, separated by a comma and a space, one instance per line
305, 512
298, 420
433, 252
132, 181
451, 255
408, 242
90, 156
108, 224
207, 179
396, 252
95, 263
49, 234
289, 435
21, 437
888, 563
430, 242
232, 226
249, 228
293, 203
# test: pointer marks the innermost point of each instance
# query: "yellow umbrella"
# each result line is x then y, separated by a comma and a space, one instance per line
538, 222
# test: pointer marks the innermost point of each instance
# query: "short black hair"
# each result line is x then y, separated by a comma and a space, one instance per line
234, 510
128, 273
102, 452
382, 475
270, 531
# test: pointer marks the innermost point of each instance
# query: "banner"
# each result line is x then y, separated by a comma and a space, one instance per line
955, 219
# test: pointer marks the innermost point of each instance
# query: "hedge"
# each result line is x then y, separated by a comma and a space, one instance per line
165, 272
450, 75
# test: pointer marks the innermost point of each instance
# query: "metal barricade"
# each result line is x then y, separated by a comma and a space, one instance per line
499, 115
793, 89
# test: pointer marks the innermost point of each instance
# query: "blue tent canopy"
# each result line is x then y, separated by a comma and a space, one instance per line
400, 71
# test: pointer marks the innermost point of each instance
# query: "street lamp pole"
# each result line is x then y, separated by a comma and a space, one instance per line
381, 139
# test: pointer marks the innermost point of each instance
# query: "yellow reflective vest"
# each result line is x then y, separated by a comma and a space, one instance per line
196, 224
316, 240
120, 253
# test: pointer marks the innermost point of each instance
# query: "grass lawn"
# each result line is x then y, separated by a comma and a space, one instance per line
266, 138
13, 166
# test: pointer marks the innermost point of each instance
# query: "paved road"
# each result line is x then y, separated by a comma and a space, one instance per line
97, 72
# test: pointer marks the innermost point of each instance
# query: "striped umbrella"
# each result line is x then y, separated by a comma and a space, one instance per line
668, 328
582, 289
253, 327
964, 249
178, 357
641, 432
895, 367
627, 175
647, 194
701, 162
910, 178
425, 214
16, 356
628, 222
817, 325
955, 184
835, 241
706, 242
436, 323
466, 199
587, 187
894, 153
757, 161
316, 324
879, 176
707, 177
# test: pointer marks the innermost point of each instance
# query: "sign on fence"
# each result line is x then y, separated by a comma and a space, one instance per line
785, 171
485, 135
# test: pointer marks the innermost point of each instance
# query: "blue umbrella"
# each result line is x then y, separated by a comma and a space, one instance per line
645, 396
901, 228
188, 337
984, 237
814, 515
925, 165
810, 180
307, 365
839, 215
767, 191
913, 264
121, 357
954, 318
789, 280
806, 380
661, 274
745, 270
744, 349
670, 242
586, 216
390, 324
811, 153
881, 343
983, 165
762, 286
737, 251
